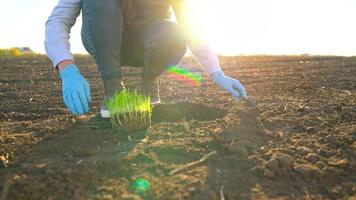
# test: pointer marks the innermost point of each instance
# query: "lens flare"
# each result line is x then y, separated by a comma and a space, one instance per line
180, 74
140, 186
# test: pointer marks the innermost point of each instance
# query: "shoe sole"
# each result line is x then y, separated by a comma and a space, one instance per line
153, 103
105, 114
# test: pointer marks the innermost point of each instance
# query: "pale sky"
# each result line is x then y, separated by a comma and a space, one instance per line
323, 27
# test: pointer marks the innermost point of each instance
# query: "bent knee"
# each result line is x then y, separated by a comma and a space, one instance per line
162, 32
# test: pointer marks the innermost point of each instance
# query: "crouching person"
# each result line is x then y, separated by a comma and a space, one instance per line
120, 33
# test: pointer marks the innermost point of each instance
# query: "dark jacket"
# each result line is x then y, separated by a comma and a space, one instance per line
137, 15
137, 12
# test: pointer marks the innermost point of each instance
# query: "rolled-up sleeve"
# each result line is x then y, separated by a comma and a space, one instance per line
200, 47
58, 28
205, 55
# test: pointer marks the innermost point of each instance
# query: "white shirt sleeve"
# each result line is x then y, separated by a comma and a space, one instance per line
205, 55
199, 46
58, 28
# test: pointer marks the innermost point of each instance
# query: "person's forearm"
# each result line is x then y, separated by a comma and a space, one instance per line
65, 63
199, 47
205, 56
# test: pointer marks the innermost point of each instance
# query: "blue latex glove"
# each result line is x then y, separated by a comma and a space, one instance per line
75, 89
233, 86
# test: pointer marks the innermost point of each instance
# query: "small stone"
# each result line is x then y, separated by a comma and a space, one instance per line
268, 132
307, 170
303, 150
280, 134
312, 158
339, 164
269, 174
255, 159
348, 114
265, 149
298, 128
3, 162
332, 139
283, 159
301, 109
332, 171
273, 165
320, 164
83, 118
217, 130
311, 130
251, 103
353, 147
324, 152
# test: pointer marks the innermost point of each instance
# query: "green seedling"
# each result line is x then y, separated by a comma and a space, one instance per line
130, 111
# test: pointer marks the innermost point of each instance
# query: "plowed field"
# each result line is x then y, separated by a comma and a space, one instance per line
298, 142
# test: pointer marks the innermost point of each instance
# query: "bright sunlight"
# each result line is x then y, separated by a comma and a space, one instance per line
275, 26
232, 26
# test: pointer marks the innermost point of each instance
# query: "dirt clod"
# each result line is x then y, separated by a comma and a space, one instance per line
273, 165
348, 113
306, 170
283, 159
3, 162
339, 163
332, 139
321, 164
269, 173
308, 152
304, 150
312, 158
312, 129
268, 132
185, 110
251, 103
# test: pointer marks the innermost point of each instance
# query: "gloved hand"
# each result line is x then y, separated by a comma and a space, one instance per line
233, 86
75, 90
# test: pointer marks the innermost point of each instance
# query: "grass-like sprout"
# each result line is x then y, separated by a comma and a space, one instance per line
130, 111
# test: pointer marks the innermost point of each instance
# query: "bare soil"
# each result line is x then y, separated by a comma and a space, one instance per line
298, 142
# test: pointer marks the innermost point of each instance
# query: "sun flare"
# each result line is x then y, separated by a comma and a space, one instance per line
224, 23
273, 27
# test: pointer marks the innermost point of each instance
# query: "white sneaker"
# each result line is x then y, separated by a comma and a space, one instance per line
155, 102
112, 86
151, 88
104, 111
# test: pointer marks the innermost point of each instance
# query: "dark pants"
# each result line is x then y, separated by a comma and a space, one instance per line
153, 46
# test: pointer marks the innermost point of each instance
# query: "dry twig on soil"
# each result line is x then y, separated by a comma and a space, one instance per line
89, 127
201, 160
6, 188
222, 195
